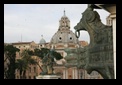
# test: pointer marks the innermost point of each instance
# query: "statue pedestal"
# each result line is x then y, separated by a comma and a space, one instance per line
48, 77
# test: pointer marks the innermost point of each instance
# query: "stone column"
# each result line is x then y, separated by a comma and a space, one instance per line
75, 73
79, 74
84, 74
113, 16
114, 45
64, 73
73, 77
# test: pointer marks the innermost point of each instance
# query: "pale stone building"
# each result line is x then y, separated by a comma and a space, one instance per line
64, 38
83, 43
33, 70
25, 45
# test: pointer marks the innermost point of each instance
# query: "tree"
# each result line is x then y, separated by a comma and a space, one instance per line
9, 66
57, 55
43, 53
23, 64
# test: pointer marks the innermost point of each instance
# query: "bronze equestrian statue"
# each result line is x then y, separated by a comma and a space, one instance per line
47, 64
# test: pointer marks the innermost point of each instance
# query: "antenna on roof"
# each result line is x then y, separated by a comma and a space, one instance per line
21, 37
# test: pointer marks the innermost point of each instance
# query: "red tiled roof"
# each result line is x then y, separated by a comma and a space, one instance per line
21, 43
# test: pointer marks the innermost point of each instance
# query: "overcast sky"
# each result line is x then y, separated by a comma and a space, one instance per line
33, 20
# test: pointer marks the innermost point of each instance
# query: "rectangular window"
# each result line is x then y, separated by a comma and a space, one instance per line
29, 77
30, 69
17, 77
34, 69
34, 77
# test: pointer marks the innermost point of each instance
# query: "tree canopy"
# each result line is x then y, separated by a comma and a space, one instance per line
44, 51
9, 66
23, 64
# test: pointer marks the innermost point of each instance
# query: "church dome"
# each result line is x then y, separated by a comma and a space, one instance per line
64, 34
64, 37
42, 41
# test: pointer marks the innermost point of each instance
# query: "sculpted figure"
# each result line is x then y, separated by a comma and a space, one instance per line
47, 66
94, 56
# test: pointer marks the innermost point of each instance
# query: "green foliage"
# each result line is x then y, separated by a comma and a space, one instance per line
10, 49
41, 53
10, 55
44, 51
23, 63
57, 55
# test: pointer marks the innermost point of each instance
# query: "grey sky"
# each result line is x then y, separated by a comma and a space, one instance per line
33, 20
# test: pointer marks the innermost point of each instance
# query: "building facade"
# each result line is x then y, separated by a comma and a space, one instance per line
65, 38
33, 70
62, 39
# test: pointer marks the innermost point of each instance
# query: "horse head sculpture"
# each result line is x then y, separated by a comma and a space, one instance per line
98, 55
